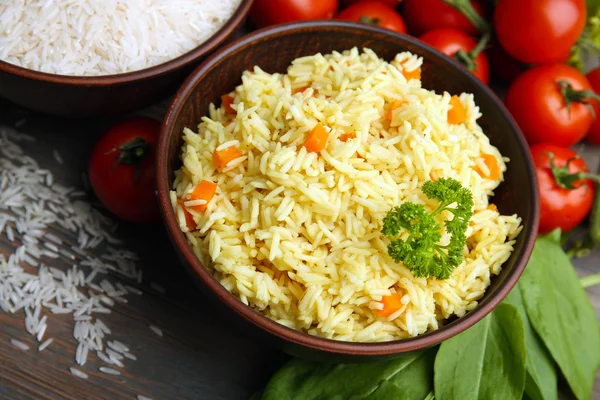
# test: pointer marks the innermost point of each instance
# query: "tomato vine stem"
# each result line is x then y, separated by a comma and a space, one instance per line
468, 59
466, 8
132, 153
564, 178
576, 96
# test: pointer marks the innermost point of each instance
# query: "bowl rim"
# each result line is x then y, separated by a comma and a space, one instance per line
128, 77
261, 321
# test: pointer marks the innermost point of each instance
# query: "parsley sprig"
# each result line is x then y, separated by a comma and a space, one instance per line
421, 252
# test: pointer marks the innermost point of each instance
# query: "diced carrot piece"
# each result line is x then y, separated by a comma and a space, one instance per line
317, 139
347, 136
457, 114
492, 163
222, 157
204, 191
492, 207
189, 218
391, 304
300, 89
414, 74
227, 123
226, 102
395, 104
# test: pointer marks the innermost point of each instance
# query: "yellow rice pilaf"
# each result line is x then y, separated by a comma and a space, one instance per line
297, 234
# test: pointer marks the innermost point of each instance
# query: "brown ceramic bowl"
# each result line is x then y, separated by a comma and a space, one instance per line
273, 49
81, 96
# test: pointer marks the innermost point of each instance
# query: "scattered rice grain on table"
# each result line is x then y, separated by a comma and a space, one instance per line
45, 345
156, 330
297, 234
57, 157
158, 288
35, 279
78, 373
19, 345
109, 371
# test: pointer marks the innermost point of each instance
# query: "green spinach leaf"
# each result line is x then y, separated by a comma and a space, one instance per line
561, 314
486, 361
540, 382
407, 378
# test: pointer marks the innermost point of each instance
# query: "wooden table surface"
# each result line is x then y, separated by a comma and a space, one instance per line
199, 357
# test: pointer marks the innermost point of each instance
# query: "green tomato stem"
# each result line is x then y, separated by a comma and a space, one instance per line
481, 45
580, 249
576, 96
590, 280
468, 59
132, 153
466, 8
369, 20
566, 179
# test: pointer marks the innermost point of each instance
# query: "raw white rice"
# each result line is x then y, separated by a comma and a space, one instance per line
57, 156
41, 332
81, 354
113, 355
44, 345
109, 371
19, 345
103, 357
108, 37
27, 284
133, 290
118, 346
158, 288
297, 234
78, 373
156, 330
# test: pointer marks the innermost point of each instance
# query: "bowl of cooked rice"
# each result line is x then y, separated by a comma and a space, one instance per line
346, 191
90, 58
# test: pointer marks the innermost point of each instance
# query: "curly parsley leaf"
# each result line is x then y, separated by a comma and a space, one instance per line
421, 251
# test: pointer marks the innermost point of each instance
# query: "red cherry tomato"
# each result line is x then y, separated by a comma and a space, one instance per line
451, 41
423, 16
539, 106
561, 207
375, 13
539, 31
121, 169
391, 3
593, 135
270, 12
